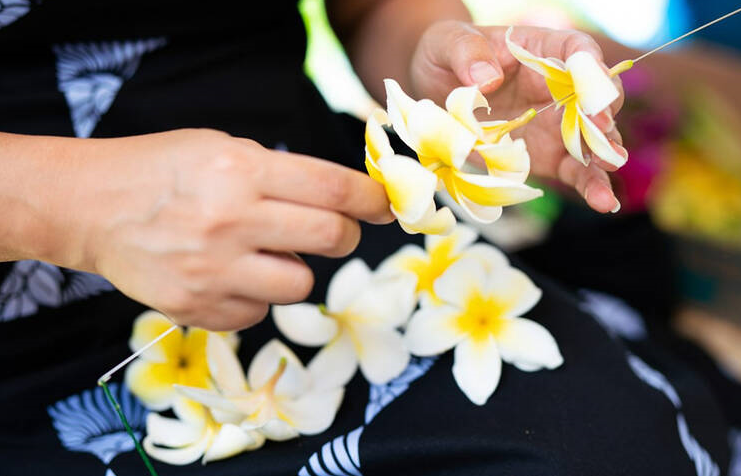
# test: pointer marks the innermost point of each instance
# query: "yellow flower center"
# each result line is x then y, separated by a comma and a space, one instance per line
483, 316
440, 257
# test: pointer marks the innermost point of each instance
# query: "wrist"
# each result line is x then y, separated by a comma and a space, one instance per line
37, 190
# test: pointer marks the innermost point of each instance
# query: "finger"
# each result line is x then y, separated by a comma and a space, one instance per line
232, 314
280, 278
590, 182
466, 51
291, 227
319, 183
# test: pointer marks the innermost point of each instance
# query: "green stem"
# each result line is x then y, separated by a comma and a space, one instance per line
125, 422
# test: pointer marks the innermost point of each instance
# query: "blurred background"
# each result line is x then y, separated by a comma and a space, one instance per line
674, 250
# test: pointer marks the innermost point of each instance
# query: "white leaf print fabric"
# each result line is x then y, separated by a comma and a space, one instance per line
11, 10
33, 284
91, 74
704, 464
341, 456
88, 423
613, 314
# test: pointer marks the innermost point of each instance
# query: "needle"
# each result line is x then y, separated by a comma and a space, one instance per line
123, 363
629, 63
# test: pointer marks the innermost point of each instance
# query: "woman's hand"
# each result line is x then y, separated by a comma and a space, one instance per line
204, 226
453, 53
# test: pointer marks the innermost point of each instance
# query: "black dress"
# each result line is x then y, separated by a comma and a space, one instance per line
618, 406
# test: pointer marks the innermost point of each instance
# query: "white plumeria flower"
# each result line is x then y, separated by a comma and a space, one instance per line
443, 140
479, 318
587, 89
357, 327
424, 266
278, 398
195, 435
409, 186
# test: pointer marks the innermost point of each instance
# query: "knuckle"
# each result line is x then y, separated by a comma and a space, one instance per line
301, 283
256, 313
334, 232
178, 301
338, 189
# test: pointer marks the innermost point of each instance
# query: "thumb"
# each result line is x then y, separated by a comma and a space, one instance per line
468, 54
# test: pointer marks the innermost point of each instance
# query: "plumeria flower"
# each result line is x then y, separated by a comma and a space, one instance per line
426, 265
194, 435
357, 327
480, 318
443, 140
582, 88
179, 358
409, 186
277, 398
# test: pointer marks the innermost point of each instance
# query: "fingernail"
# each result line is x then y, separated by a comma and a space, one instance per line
617, 207
483, 73
610, 122
619, 149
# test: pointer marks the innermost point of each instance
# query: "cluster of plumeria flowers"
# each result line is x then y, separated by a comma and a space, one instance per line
444, 139
455, 293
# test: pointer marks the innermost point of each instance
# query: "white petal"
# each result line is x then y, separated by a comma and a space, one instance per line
506, 160
346, 284
224, 365
455, 285
461, 103
493, 191
304, 324
510, 285
178, 456
410, 187
433, 330
459, 239
207, 397
335, 364
597, 141
295, 379
594, 88
528, 345
314, 412
479, 213
386, 301
230, 441
381, 352
148, 326
492, 259
570, 132
551, 68
278, 430
171, 432
477, 368
402, 261
398, 105
435, 133
376, 140
434, 222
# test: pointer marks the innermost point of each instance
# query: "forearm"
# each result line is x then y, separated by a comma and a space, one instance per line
380, 36
36, 186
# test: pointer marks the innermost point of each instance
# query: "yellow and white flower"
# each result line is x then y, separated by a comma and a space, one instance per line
409, 186
443, 140
357, 327
480, 318
179, 358
583, 88
277, 398
194, 435
440, 252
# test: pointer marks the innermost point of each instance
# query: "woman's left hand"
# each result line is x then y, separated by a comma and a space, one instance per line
453, 53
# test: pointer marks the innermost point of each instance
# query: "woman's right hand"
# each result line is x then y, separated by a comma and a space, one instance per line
204, 226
